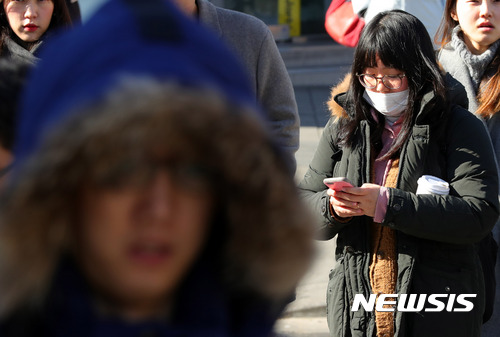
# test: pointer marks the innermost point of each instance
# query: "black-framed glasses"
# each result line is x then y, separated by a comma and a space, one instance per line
389, 81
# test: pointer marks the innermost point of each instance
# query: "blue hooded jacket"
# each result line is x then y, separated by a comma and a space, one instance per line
129, 39
125, 38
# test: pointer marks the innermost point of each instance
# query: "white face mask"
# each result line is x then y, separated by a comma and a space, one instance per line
391, 105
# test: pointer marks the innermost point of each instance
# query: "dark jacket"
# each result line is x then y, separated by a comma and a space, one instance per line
74, 11
435, 234
203, 309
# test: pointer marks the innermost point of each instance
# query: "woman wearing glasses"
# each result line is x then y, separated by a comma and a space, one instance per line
392, 126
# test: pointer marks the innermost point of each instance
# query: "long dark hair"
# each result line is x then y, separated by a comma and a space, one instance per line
60, 19
401, 41
443, 34
488, 95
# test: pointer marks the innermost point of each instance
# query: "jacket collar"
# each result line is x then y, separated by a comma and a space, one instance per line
426, 114
341, 100
207, 14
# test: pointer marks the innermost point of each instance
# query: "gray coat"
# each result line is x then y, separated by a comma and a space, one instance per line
253, 42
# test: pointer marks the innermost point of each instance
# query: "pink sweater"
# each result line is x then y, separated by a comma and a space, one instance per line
382, 167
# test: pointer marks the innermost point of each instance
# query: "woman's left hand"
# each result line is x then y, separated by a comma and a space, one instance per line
366, 196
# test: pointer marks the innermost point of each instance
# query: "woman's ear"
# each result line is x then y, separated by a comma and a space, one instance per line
454, 15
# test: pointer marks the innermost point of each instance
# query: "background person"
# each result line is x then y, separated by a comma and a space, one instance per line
253, 42
26, 24
393, 125
469, 37
427, 11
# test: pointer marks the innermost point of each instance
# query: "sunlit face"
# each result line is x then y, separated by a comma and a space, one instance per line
6, 159
29, 19
136, 244
392, 75
480, 23
187, 6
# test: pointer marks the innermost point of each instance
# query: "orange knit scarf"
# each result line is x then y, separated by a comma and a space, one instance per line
383, 266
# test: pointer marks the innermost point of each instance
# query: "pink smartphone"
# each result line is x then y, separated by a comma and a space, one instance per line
337, 183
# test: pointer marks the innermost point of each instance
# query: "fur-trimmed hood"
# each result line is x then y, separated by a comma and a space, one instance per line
183, 97
268, 236
335, 109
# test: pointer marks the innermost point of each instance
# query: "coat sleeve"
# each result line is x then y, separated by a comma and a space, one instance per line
471, 210
313, 190
275, 93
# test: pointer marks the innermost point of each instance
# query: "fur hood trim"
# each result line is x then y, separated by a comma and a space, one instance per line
335, 109
266, 243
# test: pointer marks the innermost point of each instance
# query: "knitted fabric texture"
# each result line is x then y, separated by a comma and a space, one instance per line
383, 266
476, 64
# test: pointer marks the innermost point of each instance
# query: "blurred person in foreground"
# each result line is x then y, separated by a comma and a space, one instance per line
147, 197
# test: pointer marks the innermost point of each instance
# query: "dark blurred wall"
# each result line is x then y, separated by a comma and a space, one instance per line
312, 12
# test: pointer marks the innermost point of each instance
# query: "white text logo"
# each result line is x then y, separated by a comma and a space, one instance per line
414, 303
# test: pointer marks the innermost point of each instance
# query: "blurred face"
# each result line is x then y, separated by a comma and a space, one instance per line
6, 160
480, 23
187, 6
384, 79
136, 244
29, 19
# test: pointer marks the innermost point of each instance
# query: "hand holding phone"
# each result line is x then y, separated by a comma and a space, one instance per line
337, 183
